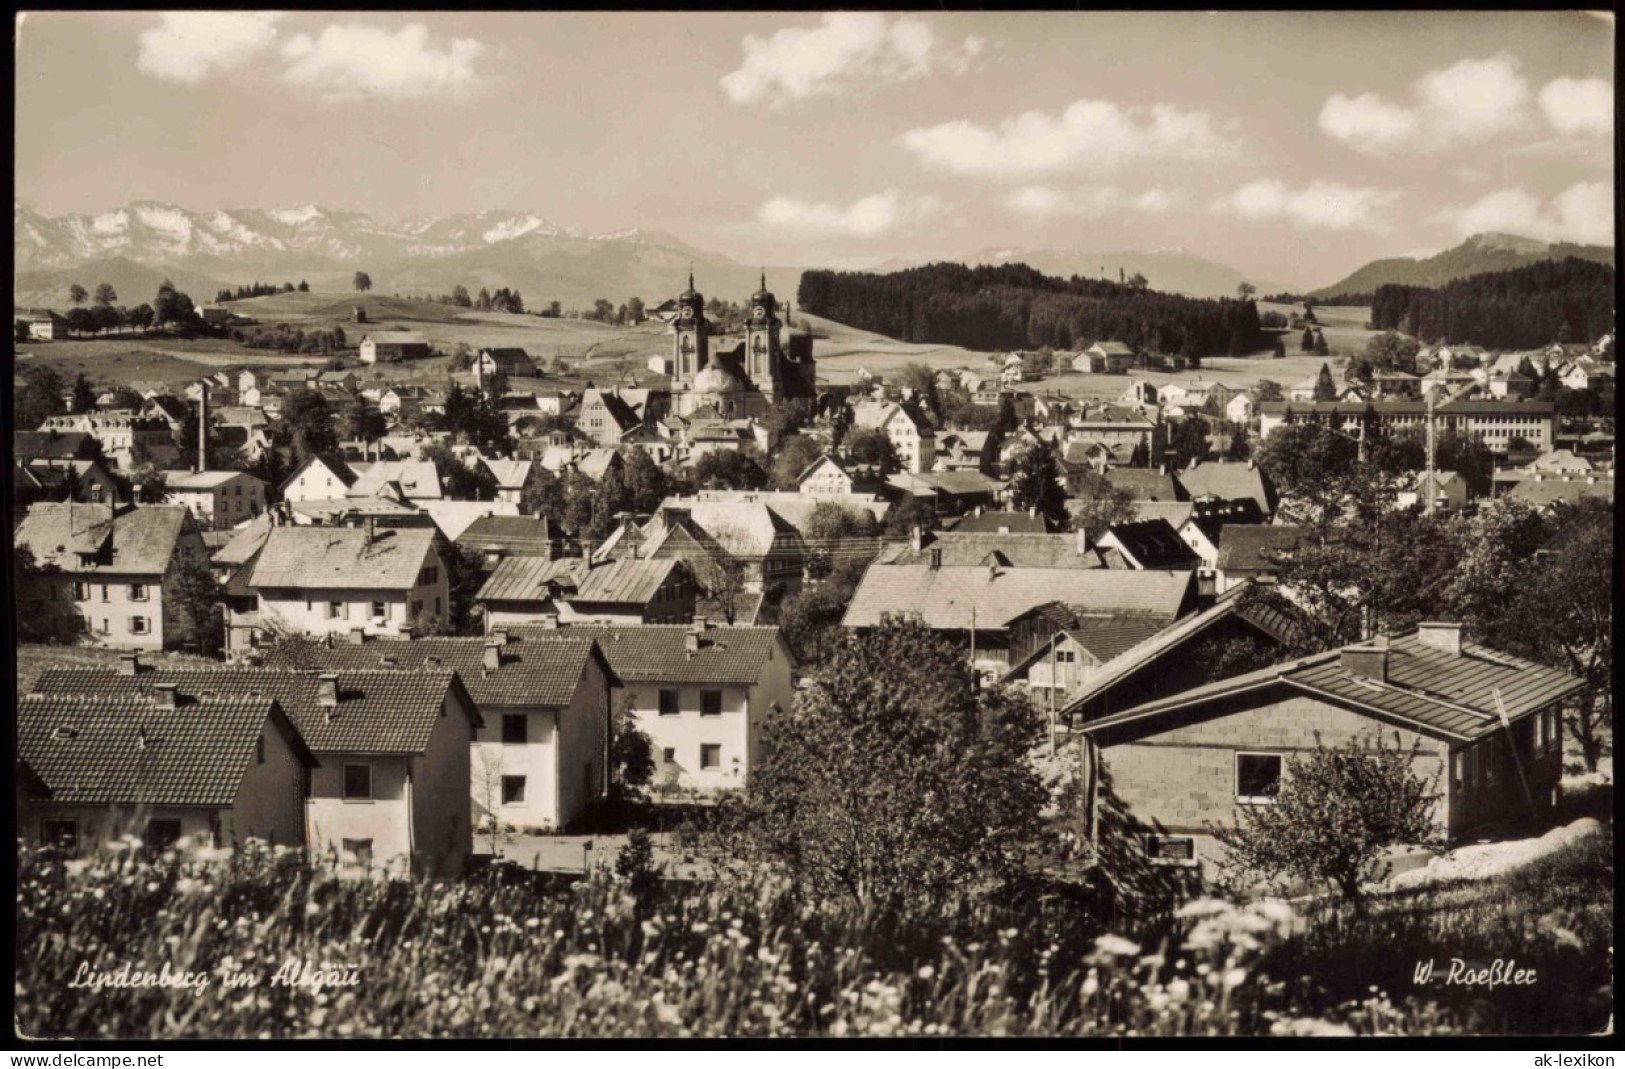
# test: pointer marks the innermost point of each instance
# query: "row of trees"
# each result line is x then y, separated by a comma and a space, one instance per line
1567, 301
286, 338
259, 289
1013, 306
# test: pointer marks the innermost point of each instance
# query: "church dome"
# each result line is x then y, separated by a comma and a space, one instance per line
715, 379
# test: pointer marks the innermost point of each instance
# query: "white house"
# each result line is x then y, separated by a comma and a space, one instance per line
217, 499
911, 437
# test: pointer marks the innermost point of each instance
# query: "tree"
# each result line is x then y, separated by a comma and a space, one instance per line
794, 455
1278, 351
634, 310
84, 395
603, 310
1337, 813
834, 533
647, 485
953, 804
922, 382
310, 423
1321, 348
1325, 385
1393, 352
39, 397
729, 469
172, 306
77, 294
1308, 339
304, 287
1268, 390
1096, 504
363, 422
142, 316
20, 330
1189, 440
1310, 462
631, 754
81, 320
362, 282
1245, 291
105, 317
868, 445
197, 599
1137, 281
1035, 480
460, 297
459, 481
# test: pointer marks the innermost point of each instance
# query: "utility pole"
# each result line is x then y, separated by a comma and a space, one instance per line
1432, 447
1052, 682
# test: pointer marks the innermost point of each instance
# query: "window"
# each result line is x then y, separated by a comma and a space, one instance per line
429, 576
513, 790
514, 728
106, 592
437, 606
417, 609
259, 750
668, 703
380, 611
107, 626
138, 625
1258, 777
1455, 771
361, 849
710, 755
1170, 849
1065, 656
337, 610
1469, 758
1492, 760
358, 782
62, 833
710, 703
162, 834
96, 493
669, 756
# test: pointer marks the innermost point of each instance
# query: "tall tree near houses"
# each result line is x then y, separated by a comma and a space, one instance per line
1035, 481
1308, 345
106, 294
1325, 385
84, 395
78, 294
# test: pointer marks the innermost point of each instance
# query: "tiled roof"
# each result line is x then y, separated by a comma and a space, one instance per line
1108, 636
744, 529
1153, 544
529, 578
1249, 546
633, 582
382, 711
945, 597
1552, 491
656, 653
515, 536
1229, 480
1437, 692
417, 478
143, 538
532, 673
1145, 484
1001, 523
509, 474
127, 748
327, 558
199, 480
959, 548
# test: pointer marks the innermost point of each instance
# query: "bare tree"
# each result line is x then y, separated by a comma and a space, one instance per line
489, 765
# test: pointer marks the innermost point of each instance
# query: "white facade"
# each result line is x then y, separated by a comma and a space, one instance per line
218, 499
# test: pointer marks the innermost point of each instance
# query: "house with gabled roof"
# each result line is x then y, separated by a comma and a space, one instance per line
1228, 480
625, 590
401, 480
391, 345
1145, 544
513, 362
346, 581
541, 757
496, 538
390, 789
1023, 549
708, 697
319, 477
108, 575
1484, 722
1253, 551
160, 766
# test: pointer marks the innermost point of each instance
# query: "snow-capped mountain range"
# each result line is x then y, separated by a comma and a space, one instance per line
155, 233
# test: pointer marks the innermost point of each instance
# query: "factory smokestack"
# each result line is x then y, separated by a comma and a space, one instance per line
202, 426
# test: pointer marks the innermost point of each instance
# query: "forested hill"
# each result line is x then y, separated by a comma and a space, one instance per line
1012, 306
1570, 300
1479, 254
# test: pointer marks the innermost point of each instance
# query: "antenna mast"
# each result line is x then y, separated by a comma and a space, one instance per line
1429, 477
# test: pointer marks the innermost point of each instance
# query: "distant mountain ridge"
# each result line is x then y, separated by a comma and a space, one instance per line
1478, 255
206, 251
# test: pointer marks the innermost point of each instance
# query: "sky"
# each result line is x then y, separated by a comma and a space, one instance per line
1293, 146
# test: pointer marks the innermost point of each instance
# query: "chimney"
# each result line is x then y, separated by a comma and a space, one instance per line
327, 691
142, 739
492, 659
1368, 662
129, 664
202, 426
1445, 637
936, 556
550, 621
1083, 541
916, 538
164, 694
691, 642
358, 635
370, 530
499, 636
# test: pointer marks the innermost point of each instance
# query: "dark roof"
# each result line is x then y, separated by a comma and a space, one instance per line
335, 462
1548, 492
325, 558
128, 748
656, 653
142, 539
998, 522
1153, 544
52, 445
1108, 636
516, 536
1249, 546
382, 712
245, 541
1012, 550
1211, 517
531, 673
1411, 408
1146, 484
1457, 697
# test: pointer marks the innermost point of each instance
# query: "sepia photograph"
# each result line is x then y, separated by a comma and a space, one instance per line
918, 526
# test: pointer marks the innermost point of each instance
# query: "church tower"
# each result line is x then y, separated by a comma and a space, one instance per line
764, 359
691, 343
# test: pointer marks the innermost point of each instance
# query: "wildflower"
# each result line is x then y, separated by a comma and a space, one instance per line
1091, 984
1234, 977
1116, 945
533, 922
926, 972
1179, 990
1203, 907
152, 885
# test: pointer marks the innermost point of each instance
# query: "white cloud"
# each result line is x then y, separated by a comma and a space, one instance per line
1320, 205
868, 217
1039, 202
1579, 105
352, 62
1464, 104
187, 46
1584, 213
1090, 135
844, 49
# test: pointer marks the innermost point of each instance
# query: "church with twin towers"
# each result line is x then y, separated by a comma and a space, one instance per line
739, 377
